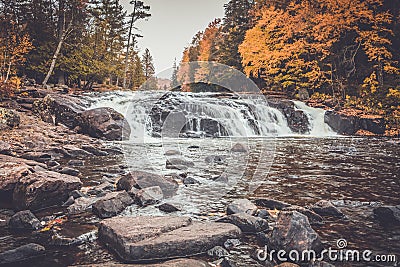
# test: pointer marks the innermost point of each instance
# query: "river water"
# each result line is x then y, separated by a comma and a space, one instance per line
356, 173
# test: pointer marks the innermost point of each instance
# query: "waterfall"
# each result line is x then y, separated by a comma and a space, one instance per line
207, 114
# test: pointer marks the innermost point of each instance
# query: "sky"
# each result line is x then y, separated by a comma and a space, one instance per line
172, 25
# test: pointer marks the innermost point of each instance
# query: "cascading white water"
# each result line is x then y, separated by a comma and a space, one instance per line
238, 117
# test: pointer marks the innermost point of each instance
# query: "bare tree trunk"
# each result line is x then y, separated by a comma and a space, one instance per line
128, 45
8, 71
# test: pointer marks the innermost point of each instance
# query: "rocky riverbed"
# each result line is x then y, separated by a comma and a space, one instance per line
69, 197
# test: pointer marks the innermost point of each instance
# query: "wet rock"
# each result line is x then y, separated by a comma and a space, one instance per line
293, 232
217, 252
101, 189
190, 181
326, 208
81, 205
241, 205
20, 254
247, 223
168, 208
239, 148
149, 196
271, 203
146, 238
232, 243
178, 164
76, 194
24, 220
44, 189
70, 171
388, 215
296, 119
313, 217
95, 151
264, 214
104, 123
9, 118
112, 204
141, 180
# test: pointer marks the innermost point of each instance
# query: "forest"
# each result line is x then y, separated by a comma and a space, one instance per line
72, 42
342, 52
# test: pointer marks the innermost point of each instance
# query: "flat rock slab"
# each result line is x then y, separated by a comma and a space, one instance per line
136, 239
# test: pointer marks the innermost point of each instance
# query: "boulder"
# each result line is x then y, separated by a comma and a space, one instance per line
241, 205
5, 148
343, 123
9, 118
24, 220
190, 181
112, 204
271, 203
150, 238
388, 215
247, 223
11, 172
64, 109
293, 232
296, 119
217, 252
44, 189
105, 123
149, 196
326, 208
141, 180
22, 253
101, 189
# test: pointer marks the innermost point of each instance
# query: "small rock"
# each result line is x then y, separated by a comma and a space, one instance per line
239, 148
241, 205
190, 181
141, 180
25, 252
326, 208
70, 171
264, 214
81, 205
271, 203
101, 189
222, 179
24, 220
232, 243
168, 208
246, 222
76, 194
149, 196
217, 252
5, 148
388, 215
37, 156
112, 204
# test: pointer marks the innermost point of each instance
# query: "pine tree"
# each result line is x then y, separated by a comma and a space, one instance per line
174, 77
149, 71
